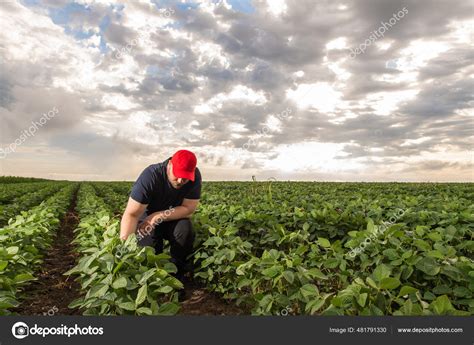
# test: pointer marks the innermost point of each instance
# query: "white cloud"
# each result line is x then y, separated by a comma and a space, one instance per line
277, 7
338, 43
320, 96
238, 93
118, 101
385, 103
311, 156
209, 53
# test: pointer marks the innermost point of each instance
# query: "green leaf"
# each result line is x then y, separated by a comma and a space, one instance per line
435, 254
119, 283
289, 276
323, 242
370, 226
144, 311
170, 267
73, 270
109, 260
452, 272
266, 303
76, 303
371, 282
309, 290
382, 271
406, 290
428, 265
389, 283
331, 263
126, 305
12, 250
361, 299
420, 230
23, 277
442, 289
173, 282
145, 276
314, 305
406, 309
141, 296
240, 271
168, 309
231, 255
316, 273
435, 236
272, 271
422, 245
461, 291
3, 265
442, 305
391, 254
243, 282
98, 290
165, 289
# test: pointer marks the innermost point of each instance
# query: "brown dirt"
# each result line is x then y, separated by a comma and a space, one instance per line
200, 301
52, 292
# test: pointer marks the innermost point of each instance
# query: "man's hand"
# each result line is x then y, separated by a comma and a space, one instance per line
147, 226
135, 209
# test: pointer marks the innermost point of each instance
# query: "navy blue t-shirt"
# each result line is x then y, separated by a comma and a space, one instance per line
153, 188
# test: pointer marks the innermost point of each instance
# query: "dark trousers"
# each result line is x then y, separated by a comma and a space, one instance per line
180, 235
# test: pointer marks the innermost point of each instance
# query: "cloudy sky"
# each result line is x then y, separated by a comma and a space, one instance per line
304, 90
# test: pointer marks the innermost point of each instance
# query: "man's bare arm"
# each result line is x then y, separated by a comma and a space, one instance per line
130, 218
185, 210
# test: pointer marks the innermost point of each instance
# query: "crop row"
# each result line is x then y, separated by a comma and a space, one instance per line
28, 200
4, 180
23, 243
8, 192
115, 202
118, 278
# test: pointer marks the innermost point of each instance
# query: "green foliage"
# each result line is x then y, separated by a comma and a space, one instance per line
23, 243
19, 179
297, 247
23, 196
119, 278
414, 246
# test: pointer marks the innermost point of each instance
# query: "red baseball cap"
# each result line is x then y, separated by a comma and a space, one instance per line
184, 164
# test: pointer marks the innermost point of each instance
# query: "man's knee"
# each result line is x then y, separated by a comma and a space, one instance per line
183, 231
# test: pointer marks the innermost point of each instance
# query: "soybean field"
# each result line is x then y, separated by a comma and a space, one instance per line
261, 248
